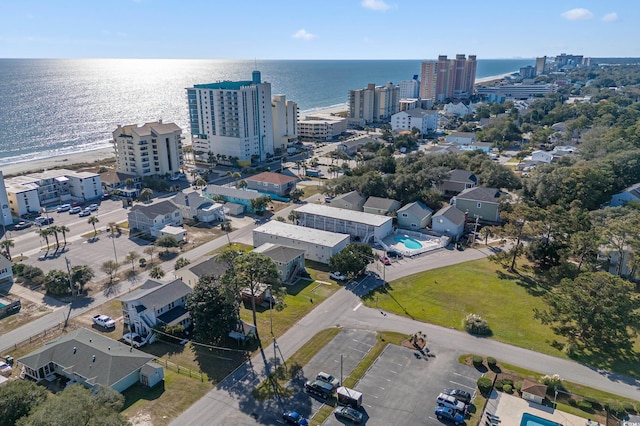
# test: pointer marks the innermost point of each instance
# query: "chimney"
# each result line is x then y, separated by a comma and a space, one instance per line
94, 358
74, 349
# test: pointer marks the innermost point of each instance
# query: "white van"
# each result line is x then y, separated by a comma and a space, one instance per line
450, 402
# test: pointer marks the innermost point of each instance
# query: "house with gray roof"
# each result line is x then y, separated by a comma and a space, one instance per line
631, 193
351, 201
151, 218
457, 181
381, 206
212, 267
449, 221
92, 359
288, 260
273, 183
195, 206
232, 195
155, 303
481, 203
461, 138
351, 146
414, 216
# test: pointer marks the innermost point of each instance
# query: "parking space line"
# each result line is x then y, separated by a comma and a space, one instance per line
364, 343
394, 372
460, 384
357, 306
358, 350
462, 375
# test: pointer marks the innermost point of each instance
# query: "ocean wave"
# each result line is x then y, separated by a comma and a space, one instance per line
58, 152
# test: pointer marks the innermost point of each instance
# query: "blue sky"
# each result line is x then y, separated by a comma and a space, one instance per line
315, 29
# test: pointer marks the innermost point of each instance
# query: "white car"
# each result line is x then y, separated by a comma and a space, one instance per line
337, 276
5, 369
133, 339
104, 321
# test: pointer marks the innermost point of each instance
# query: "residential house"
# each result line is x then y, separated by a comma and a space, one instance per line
6, 272
381, 206
458, 109
480, 203
542, 156
92, 359
272, 183
449, 221
423, 120
631, 193
151, 218
534, 392
486, 147
211, 267
414, 215
457, 181
156, 303
114, 181
288, 260
351, 146
461, 138
351, 201
232, 195
195, 206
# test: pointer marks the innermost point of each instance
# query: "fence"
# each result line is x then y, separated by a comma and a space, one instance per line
47, 334
179, 369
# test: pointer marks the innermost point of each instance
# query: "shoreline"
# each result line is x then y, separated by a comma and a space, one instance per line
65, 160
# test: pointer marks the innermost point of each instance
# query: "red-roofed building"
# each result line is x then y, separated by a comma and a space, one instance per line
274, 183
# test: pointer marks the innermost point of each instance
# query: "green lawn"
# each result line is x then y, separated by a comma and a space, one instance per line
445, 296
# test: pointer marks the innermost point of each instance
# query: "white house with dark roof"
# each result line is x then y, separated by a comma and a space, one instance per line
414, 216
381, 206
461, 138
212, 267
91, 359
425, 120
273, 183
116, 181
318, 245
153, 303
195, 206
288, 260
631, 193
448, 221
481, 203
457, 181
351, 201
151, 218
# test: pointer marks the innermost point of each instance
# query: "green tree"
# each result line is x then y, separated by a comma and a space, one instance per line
293, 217
64, 229
77, 406
214, 315
242, 184
166, 242
351, 260
80, 276
517, 227
156, 272
44, 233
296, 194
236, 176
146, 194
6, 246
181, 263
56, 282
92, 221
53, 229
18, 398
201, 182
598, 310
260, 204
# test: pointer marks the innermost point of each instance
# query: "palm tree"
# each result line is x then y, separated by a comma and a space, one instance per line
54, 230
236, 176
299, 164
64, 229
242, 184
92, 221
226, 227
146, 194
201, 183
293, 217
128, 183
156, 272
132, 256
485, 233
6, 245
44, 233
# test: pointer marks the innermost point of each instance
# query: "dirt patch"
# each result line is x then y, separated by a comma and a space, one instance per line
141, 419
29, 311
202, 232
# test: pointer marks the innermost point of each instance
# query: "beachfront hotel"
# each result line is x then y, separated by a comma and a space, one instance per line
448, 78
150, 149
373, 104
232, 119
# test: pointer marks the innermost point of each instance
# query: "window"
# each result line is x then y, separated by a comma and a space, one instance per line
479, 206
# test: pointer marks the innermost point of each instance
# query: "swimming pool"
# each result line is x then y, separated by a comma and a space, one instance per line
408, 242
531, 420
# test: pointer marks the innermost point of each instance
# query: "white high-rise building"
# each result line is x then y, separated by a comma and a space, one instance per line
374, 103
5, 210
285, 122
151, 149
232, 119
409, 89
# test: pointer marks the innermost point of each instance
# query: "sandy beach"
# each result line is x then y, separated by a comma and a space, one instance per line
59, 162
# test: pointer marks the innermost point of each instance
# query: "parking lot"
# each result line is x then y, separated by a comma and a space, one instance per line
401, 388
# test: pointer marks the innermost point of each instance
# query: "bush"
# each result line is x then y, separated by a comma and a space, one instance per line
585, 405
499, 385
615, 407
572, 402
507, 388
477, 360
474, 324
484, 385
594, 402
518, 387
18, 269
552, 382
491, 362
628, 407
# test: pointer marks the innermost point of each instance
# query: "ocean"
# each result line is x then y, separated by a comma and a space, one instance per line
53, 107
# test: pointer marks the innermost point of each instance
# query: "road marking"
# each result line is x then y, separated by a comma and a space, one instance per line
462, 375
358, 350
357, 306
394, 372
460, 384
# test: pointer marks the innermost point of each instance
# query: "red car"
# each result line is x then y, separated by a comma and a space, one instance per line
384, 259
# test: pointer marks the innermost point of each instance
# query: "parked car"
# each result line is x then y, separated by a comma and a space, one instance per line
22, 225
384, 259
104, 321
450, 402
449, 414
106, 195
85, 212
43, 220
337, 276
63, 208
319, 388
133, 339
294, 418
93, 207
328, 378
460, 395
75, 210
5, 369
348, 413
394, 254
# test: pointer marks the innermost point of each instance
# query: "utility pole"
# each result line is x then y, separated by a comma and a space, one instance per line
341, 356
73, 296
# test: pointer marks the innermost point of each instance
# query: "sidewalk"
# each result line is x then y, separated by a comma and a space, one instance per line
36, 297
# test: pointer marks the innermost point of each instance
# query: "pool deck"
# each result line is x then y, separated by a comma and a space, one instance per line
428, 243
509, 410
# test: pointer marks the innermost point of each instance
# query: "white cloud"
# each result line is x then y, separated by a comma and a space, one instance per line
375, 5
610, 17
578, 14
304, 35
